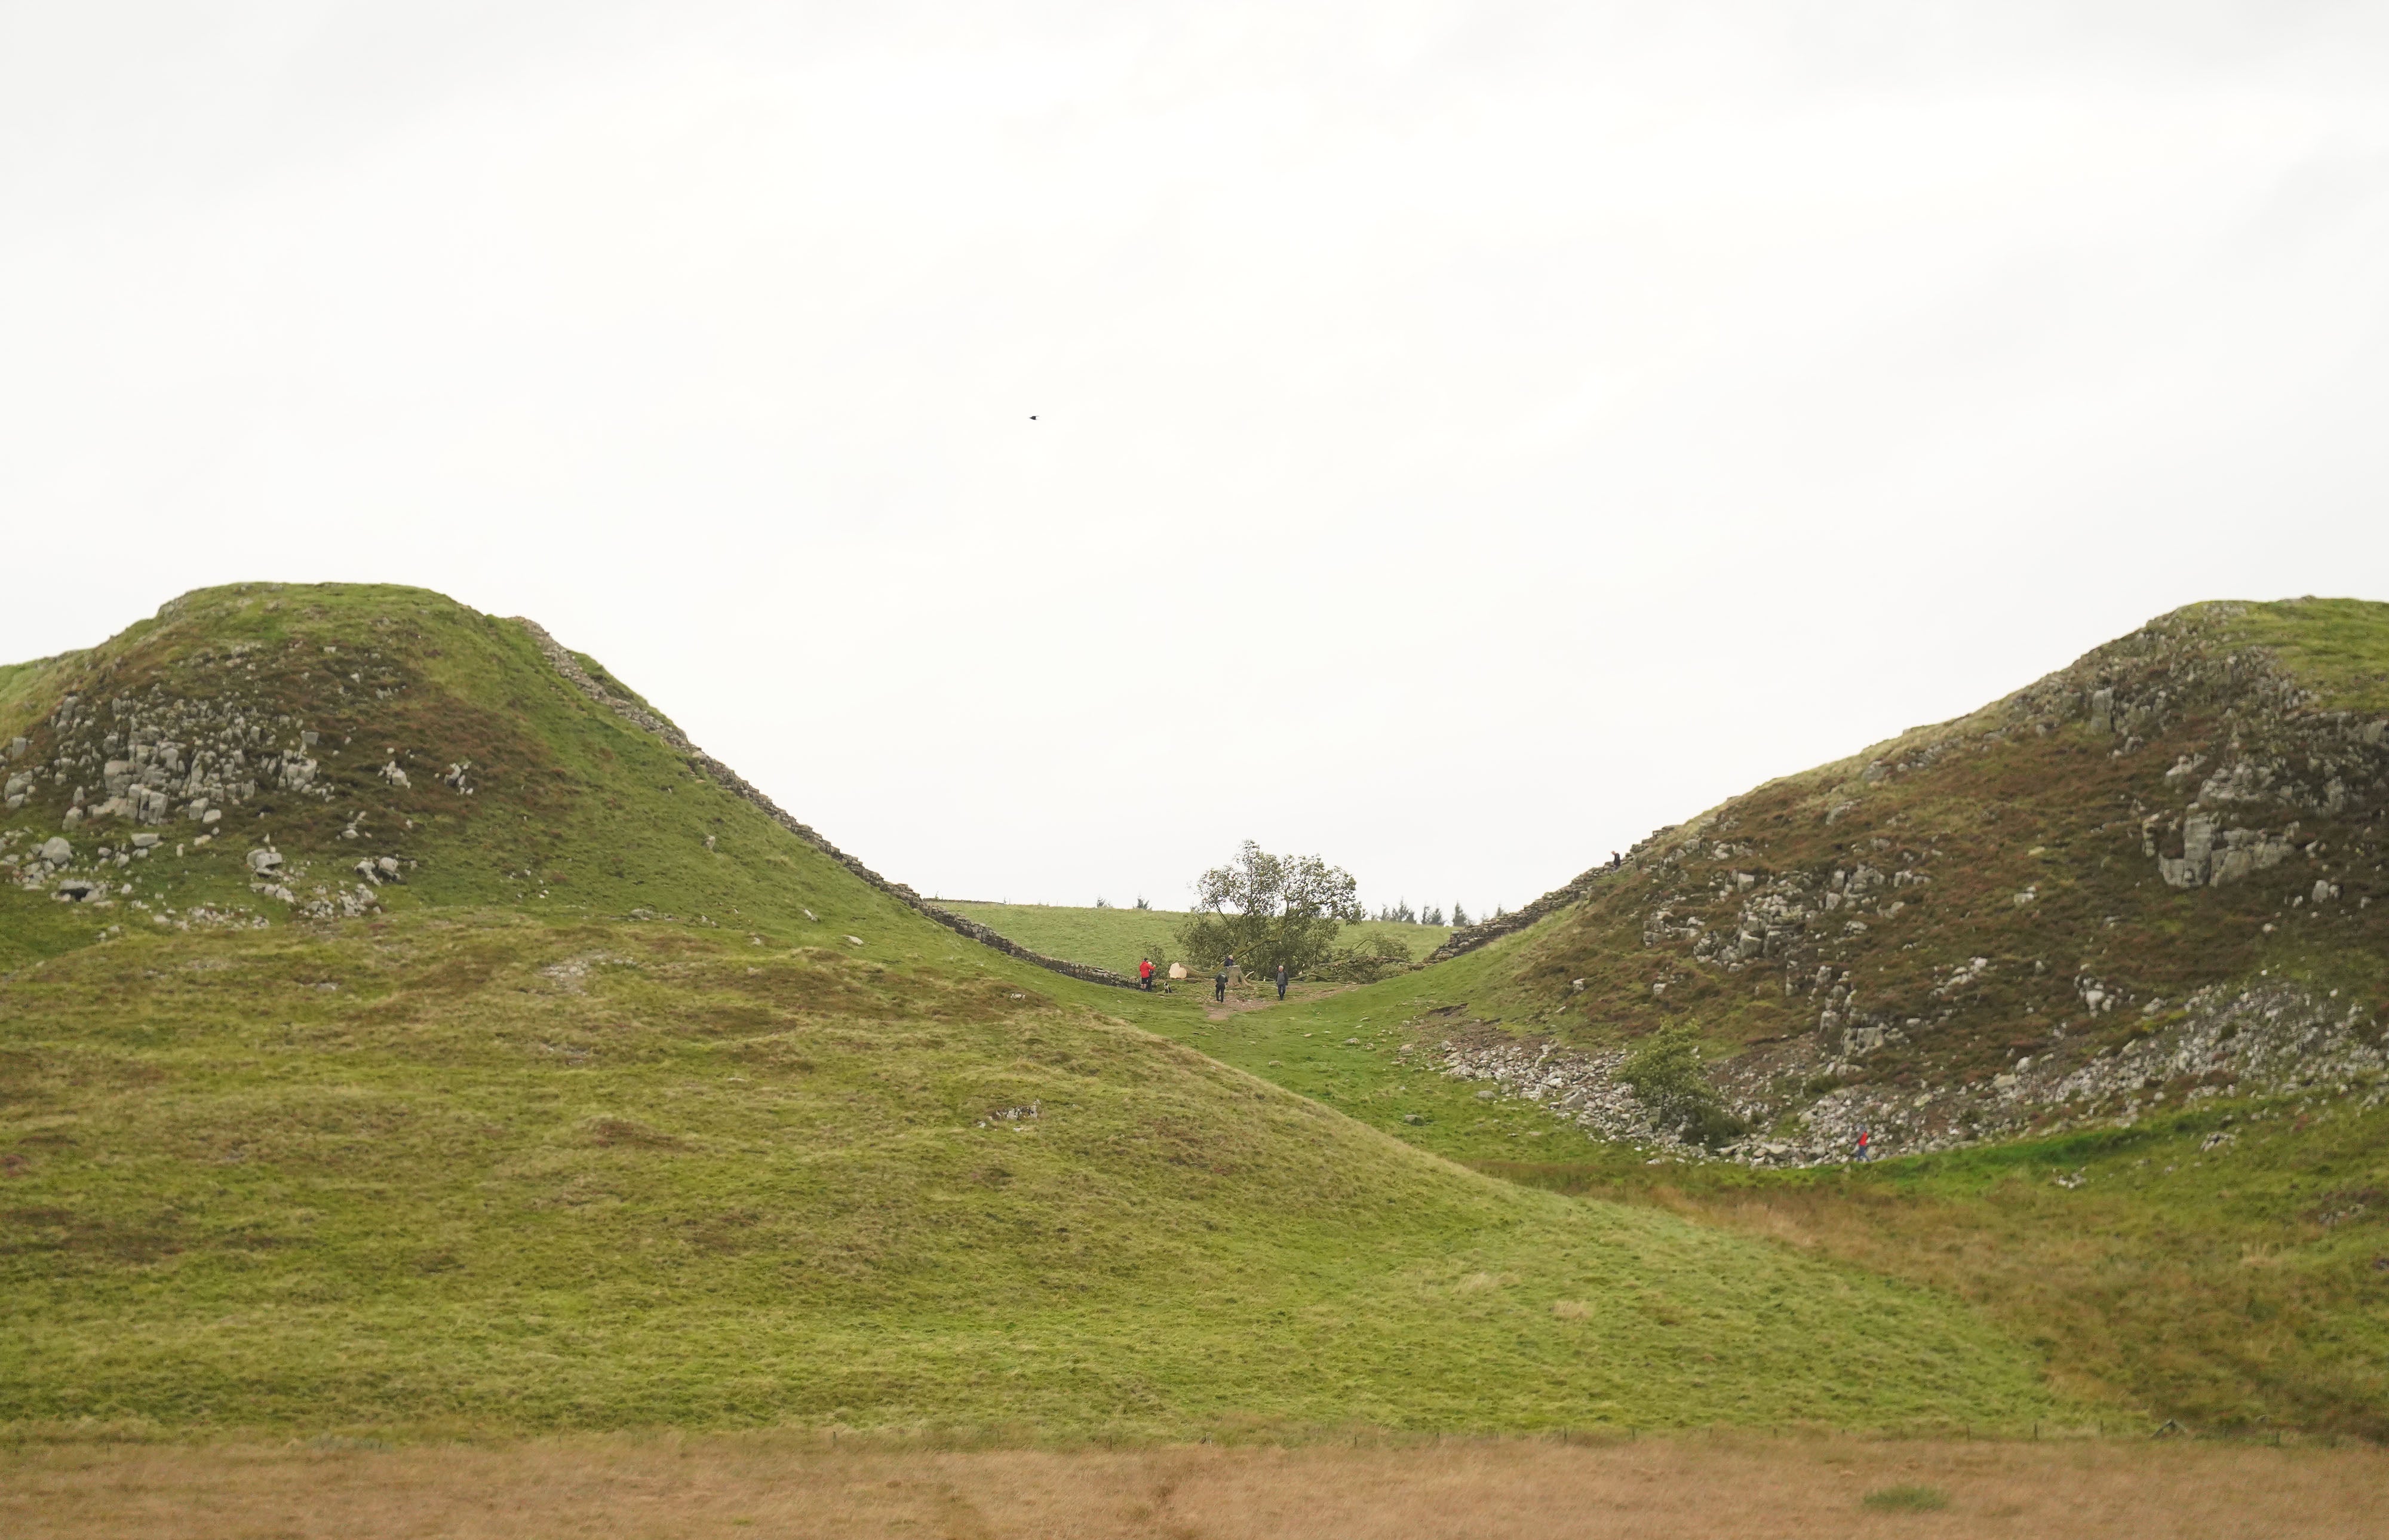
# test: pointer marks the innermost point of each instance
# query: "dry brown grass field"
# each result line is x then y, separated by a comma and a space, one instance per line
758, 1485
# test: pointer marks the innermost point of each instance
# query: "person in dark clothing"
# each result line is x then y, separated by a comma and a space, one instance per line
1220, 986
1144, 973
1281, 981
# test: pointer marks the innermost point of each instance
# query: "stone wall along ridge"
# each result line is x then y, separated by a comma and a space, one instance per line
1469, 938
731, 781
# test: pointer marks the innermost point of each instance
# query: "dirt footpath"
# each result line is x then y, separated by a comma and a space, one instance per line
789, 1485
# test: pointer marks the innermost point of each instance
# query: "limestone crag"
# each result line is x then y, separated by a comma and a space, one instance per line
156, 757
2274, 755
2269, 1039
729, 780
115, 763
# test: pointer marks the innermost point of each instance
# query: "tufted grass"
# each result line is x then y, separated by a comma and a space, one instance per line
475, 1169
2177, 1281
1908, 1497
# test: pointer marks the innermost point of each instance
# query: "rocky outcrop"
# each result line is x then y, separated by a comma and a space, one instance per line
152, 757
730, 780
2273, 755
2268, 1039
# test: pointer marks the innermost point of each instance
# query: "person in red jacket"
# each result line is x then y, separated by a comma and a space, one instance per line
1144, 973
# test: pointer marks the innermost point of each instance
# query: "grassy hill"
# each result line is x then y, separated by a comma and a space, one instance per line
2104, 961
486, 1062
2052, 910
321, 724
1116, 938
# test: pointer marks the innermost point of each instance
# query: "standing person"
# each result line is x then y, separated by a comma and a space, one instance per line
1866, 1145
1144, 973
1220, 986
1281, 981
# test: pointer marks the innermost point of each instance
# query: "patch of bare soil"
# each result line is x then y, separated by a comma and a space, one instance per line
1250, 996
787, 1486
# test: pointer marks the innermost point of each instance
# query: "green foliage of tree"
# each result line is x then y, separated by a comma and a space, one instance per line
1372, 959
1266, 911
1665, 1073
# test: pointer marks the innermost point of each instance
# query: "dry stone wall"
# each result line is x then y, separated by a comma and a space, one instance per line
1469, 937
730, 780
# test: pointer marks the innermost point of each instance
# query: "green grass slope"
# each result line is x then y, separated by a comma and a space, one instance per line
586, 1123
1116, 939
2145, 1125
2226, 1266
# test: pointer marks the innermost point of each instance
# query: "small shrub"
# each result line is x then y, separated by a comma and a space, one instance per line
1906, 1499
1665, 1073
1711, 1125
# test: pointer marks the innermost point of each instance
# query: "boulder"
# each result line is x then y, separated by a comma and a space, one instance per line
57, 851
263, 861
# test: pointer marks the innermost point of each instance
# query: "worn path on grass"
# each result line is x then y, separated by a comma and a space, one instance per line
763, 1485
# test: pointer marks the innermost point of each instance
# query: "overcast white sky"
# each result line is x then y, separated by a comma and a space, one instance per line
1467, 436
